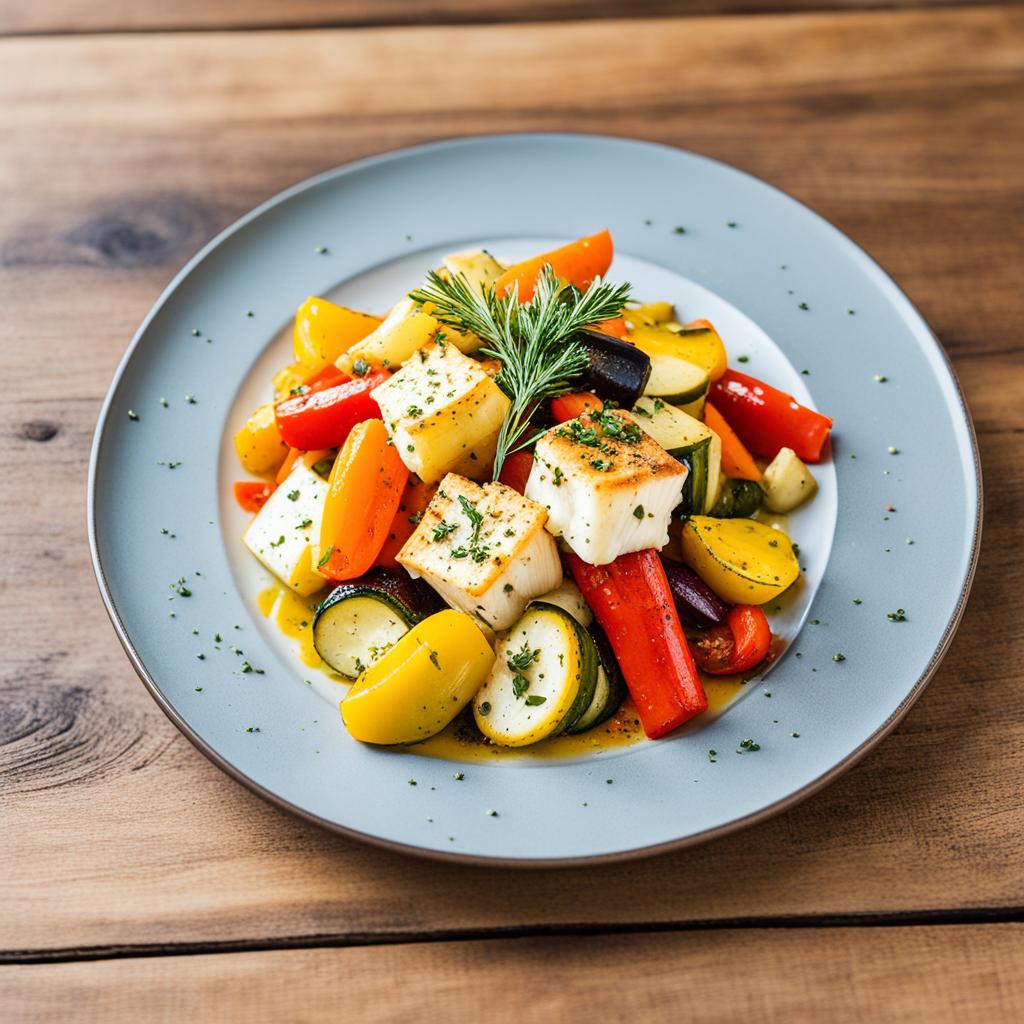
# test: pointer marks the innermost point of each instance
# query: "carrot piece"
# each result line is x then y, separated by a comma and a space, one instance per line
616, 327
363, 494
573, 404
737, 462
415, 499
286, 467
515, 471
578, 263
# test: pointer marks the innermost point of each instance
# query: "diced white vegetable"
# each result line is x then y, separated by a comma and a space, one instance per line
567, 596
484, 550
443, 413
284, 531
478, 266
607, 491
404, 330
787, 482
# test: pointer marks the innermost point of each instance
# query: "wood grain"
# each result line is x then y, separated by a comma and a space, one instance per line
845, 976
120, 156
58, 16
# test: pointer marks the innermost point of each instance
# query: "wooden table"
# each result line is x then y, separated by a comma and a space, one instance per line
136, 881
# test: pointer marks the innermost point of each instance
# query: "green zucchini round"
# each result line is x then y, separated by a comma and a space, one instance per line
362, 619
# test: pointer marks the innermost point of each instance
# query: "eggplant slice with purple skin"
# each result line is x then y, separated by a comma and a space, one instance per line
616, 370
698, 605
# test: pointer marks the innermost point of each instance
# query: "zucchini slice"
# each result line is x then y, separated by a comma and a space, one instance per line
360, 621
675, 380
609, 689
693, 443
738, 499
542, 680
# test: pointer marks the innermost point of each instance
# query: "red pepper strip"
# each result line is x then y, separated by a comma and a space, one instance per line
741, 643
323, 419
515, 471
576, 403
632, 601
767, 419
252, 494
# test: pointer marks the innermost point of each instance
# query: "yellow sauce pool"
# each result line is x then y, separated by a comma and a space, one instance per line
293, 616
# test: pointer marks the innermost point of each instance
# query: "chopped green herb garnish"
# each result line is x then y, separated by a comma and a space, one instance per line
360, 367
897, 616
293, 495
748, 746
133, 415
325, 557
638, 512
443, 529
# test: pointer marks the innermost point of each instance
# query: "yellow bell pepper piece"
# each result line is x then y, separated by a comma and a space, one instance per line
698, 343
741, 560
291, 376
324, 330
421, 684
259, 444
650, 314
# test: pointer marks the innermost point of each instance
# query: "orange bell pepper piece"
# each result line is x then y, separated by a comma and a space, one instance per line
363, 494
577, 263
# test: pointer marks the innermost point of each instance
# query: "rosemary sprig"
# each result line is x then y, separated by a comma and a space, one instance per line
534, 341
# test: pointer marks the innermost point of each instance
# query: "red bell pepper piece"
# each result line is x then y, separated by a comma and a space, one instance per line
323, 418
632, 601
515, 471
326, 378
573, 404
411, 506
741, 643
767, 419
252, 494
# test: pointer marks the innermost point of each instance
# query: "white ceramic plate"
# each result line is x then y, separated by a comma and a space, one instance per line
783, 287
